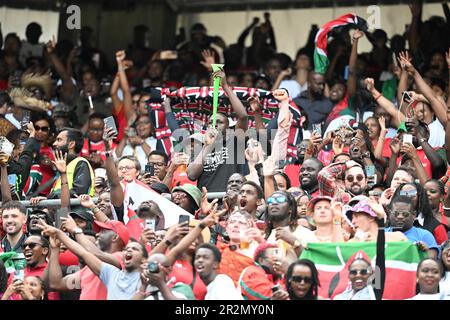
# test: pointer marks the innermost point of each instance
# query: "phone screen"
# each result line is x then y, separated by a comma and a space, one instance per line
61, 213
150, 224
110, 123
183, 218
407, 138
150, 169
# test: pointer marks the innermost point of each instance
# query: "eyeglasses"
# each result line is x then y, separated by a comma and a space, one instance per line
404, 214
359, 178
37, 216
362, 272
408, 193
43, 129
126, 168
31, 245
299, 279
273, 200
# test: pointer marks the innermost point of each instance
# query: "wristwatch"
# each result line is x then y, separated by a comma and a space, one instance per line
77, 230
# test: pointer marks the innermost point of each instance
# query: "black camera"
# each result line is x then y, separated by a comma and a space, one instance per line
153, 267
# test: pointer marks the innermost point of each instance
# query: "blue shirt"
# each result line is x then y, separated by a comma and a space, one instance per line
418, 234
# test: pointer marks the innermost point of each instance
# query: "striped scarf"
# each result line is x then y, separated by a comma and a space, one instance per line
192, 107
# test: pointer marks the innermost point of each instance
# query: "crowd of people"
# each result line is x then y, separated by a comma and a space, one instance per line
359, 154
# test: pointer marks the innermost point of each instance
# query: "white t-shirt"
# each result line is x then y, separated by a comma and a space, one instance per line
437, 134
435, 296
444, 284
121, 285
139, 151
222, 288
294, 88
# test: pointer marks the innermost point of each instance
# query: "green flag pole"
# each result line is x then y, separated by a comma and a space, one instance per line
215, 68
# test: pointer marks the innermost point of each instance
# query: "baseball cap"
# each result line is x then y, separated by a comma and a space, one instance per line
361, 207
118, 227
160, 187
357, 199
313, 201
82, 213
192, 191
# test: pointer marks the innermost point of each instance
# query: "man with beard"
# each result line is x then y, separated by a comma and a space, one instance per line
79, 172
14, 217
293, 169
111, 241
308, 176
355, 180
402, 216
313, 101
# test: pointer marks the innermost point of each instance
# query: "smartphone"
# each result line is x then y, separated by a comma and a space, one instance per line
150, 224
407, 138
317, 128
150, 169
275, 288
25, 120
110, 123
61, 213
12, 179
183, 218
168, 55
131, 132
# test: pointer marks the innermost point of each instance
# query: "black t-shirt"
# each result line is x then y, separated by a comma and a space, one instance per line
317, 110
222, 162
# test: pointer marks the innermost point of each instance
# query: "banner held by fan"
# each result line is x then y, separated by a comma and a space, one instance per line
216, 67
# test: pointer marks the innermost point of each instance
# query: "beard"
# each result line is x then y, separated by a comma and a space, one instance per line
64, 149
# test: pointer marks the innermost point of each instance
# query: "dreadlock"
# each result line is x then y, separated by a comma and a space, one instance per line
292, 213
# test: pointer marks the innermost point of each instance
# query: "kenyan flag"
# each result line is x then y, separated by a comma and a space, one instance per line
321, 61
332, 262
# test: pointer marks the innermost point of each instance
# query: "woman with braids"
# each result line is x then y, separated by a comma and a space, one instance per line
302, 280
435, 192
282, 226
425, 218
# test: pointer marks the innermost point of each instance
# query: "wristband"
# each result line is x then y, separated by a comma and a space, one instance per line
378, 97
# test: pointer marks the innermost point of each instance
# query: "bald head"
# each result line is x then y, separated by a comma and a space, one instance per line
316, 84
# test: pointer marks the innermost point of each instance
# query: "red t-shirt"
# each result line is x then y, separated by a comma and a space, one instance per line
95, 147
181, 178
293, 172
425, 162
182, 271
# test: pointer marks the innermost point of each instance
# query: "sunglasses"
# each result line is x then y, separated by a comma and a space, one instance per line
362, 272
273, 200
404, 214
43, 129
409, 193
299, 279
31, 245
359, 178
296, 194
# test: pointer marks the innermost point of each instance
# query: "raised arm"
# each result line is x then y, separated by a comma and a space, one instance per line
207, 222
403, 80
378, 152
352, 79
195, 168
117, 195
236, 104
56, 280
61, 165
397, 116
69, 225
122, 64
89, 259
413, 35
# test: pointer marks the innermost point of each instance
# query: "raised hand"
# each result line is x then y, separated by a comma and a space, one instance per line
51, 45
68, 224
409, 150
382, 122
207, 206
254, 103
447, 57
395, 145
281, 95
406, 63
86, 201
338, 145
4, 158
120, 56
370, 84
60, 162
358, 34
415, 8
208, 57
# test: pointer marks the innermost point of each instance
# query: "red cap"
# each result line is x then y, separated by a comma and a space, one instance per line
118, 227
